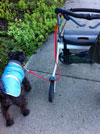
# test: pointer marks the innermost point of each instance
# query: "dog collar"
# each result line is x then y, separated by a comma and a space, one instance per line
15, 62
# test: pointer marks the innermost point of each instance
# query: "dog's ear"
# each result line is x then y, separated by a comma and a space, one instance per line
10, 54
21, 57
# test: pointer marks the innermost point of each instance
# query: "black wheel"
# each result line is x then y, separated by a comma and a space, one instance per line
51, 91
62, 58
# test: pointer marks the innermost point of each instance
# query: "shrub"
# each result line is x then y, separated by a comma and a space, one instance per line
30, 22
28, 33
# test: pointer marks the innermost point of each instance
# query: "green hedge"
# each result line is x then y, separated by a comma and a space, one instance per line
29, 25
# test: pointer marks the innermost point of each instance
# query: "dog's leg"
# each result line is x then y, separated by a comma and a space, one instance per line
6, 114
21, 102
24, 110
23, 106
26, 84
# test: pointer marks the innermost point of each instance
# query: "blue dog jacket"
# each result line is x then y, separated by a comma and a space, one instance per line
12, 79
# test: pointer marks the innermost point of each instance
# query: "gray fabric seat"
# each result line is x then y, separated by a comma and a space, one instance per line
80, 37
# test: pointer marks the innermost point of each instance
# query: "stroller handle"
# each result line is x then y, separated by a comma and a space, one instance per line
71, 12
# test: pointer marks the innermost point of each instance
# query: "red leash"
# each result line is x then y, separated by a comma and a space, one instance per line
56, 53
55, 60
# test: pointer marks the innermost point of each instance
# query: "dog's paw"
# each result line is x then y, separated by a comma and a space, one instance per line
9, 122
27, 89
26, 112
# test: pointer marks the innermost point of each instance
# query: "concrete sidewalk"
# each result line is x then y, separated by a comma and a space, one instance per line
76, 106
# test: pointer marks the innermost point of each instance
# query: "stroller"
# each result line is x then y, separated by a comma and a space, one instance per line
73, 40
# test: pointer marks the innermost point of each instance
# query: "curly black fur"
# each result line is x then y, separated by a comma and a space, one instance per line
8, 100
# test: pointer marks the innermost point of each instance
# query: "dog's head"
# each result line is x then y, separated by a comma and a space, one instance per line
19, 56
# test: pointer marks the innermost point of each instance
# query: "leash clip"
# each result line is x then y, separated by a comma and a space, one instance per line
25, 69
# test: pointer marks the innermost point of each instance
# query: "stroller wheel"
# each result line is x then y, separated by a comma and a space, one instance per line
51, 91
64, 59
61, 58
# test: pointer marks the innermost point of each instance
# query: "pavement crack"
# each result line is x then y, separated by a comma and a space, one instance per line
69, 76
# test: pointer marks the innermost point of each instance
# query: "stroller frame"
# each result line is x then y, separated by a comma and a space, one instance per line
72, 39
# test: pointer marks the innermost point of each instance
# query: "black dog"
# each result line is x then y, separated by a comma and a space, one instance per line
11, 89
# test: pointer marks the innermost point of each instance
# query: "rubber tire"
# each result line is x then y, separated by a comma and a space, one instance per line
61, 58
51, 92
